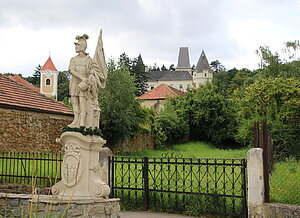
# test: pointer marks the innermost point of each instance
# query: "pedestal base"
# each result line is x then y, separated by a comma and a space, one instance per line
81, 168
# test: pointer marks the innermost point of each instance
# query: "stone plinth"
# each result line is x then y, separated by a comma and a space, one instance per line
27, 205
81, 168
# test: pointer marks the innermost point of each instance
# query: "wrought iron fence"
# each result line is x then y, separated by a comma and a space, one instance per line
186, 185
38, 169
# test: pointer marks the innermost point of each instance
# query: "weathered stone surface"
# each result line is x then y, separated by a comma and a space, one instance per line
107, 208
98, 209
32, 131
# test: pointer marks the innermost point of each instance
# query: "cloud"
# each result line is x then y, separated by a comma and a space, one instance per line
229, 31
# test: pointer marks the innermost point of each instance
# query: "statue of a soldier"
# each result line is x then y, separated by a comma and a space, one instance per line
88, 76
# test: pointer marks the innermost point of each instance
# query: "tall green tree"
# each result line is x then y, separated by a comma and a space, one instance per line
140, 76
121, 113
278, 101
36, 77
217, 67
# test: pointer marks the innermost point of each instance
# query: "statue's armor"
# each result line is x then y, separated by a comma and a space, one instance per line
80, 65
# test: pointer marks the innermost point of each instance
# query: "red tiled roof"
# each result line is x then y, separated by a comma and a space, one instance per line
24, 82
49, 65
162, 91
16, 95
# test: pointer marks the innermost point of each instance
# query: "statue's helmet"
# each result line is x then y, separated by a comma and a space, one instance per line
81, 41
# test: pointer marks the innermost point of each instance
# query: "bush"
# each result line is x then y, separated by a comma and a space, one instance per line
210, 115
169, 127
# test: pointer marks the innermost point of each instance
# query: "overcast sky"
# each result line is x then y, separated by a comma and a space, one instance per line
227, 30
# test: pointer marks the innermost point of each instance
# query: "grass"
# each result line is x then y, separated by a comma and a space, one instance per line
191, 150
285, 182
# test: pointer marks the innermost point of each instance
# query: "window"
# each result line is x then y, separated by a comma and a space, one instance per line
152, 87
205, 75
48, 82
180, 86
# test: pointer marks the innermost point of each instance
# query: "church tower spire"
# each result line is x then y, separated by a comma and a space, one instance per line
49, 79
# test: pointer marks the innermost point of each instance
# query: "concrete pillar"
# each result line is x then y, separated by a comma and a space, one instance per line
255, 181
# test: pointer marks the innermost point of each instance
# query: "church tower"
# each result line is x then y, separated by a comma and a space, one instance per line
184, 60
49, 76
203, 72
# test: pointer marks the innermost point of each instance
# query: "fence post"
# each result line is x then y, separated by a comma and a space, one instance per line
266, 151
256, 134
146, 183
255, 180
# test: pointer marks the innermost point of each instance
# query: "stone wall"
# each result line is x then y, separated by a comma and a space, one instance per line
273, 210
26, 131
21, 205
137, 143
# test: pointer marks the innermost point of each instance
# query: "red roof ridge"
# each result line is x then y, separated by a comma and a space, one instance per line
22, 81
16, 94
49, 65
162, 91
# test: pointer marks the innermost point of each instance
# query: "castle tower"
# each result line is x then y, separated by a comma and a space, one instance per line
203, 72
184, 60
49, 76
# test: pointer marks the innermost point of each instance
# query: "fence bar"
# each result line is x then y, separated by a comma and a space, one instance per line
146, 183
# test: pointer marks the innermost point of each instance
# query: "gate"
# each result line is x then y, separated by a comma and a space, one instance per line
191, 186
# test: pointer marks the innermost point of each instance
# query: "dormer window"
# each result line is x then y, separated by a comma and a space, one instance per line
48, 82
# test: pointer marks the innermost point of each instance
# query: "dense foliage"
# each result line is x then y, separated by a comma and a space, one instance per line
211, 117
121, 113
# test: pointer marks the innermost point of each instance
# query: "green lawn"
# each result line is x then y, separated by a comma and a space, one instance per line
191, 150
284, 180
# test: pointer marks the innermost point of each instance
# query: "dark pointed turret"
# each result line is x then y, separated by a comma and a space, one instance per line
203, 64
183, 60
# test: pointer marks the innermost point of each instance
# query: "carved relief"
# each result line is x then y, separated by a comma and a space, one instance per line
72, 169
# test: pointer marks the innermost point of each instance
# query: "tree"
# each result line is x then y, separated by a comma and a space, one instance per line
121, 113
63, 85
210, 115
36, 78
172, 67
163, 68
140, 76
217, 67
276, 99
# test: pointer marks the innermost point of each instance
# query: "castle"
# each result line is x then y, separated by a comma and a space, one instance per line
184, 77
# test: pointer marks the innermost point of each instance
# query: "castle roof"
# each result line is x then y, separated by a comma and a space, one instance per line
203, 64
18, 96
162, 91
49, 65
154, 76
183, 58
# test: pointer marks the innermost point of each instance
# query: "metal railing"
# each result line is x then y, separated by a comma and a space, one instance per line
38, 169
185, 185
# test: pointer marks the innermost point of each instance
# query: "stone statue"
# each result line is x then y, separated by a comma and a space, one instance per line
88, 77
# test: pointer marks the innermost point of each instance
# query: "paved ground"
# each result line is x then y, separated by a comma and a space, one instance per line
146, 214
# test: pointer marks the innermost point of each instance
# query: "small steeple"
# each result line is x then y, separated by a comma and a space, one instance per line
203, 64
49, 65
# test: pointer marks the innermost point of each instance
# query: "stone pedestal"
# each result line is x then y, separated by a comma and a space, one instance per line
81, 168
